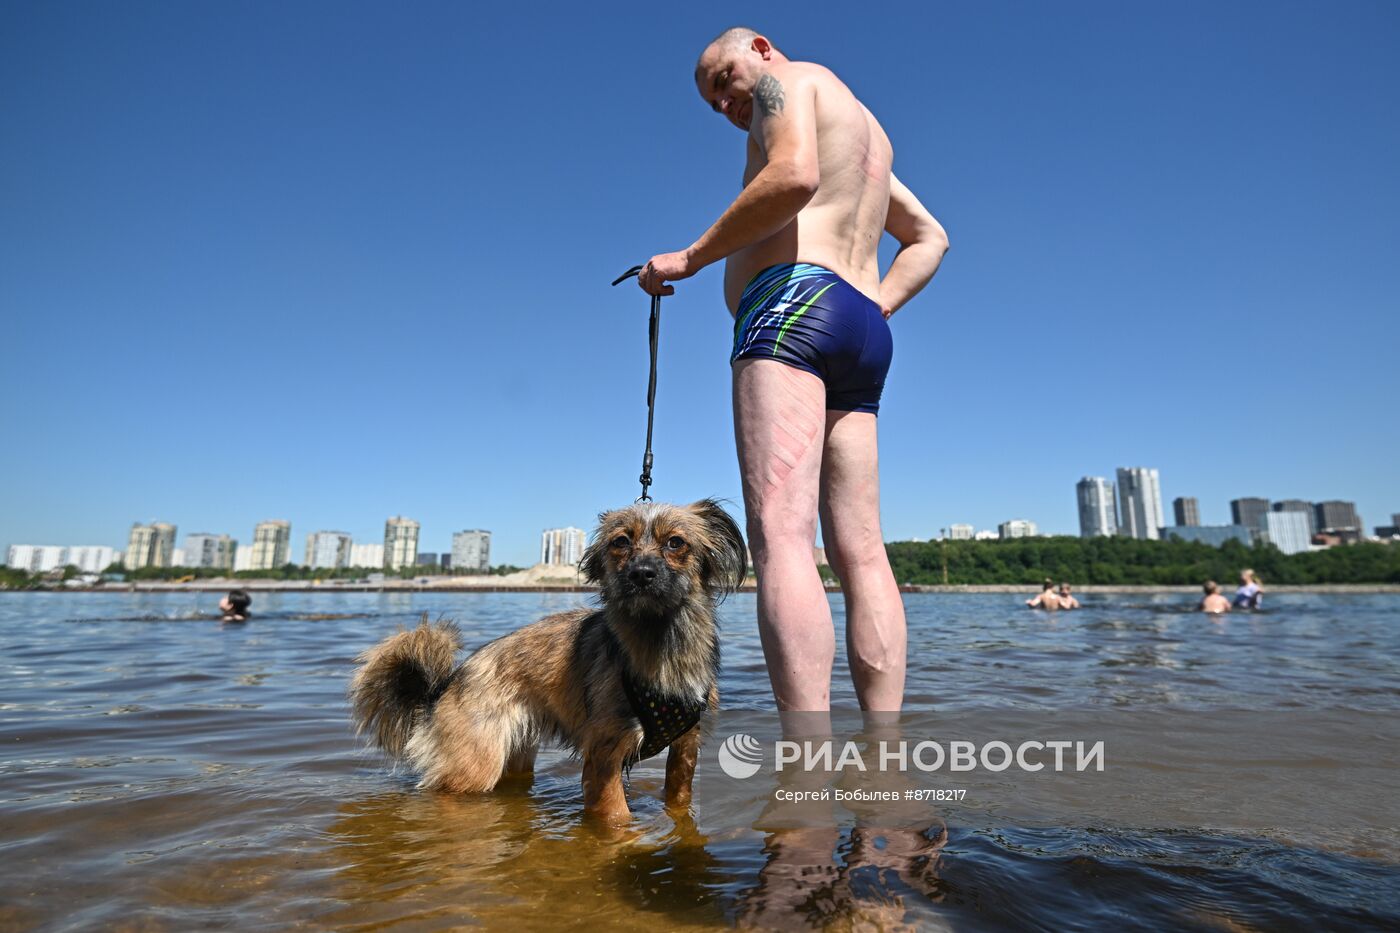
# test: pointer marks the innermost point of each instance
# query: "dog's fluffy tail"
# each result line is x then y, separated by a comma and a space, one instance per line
400, 679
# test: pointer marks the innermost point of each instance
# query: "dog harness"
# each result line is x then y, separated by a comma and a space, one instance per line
664, 718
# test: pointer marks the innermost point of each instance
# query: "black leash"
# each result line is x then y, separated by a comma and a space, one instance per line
653, 330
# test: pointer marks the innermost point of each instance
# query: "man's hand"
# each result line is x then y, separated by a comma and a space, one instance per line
663, 268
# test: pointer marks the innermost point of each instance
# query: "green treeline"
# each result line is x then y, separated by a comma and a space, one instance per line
1020, 561
1129, 561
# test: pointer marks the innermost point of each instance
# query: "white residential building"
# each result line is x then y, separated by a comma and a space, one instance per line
960, 532
1098, 513
1288, 531
243, 558
92, 558
367, 555
400, 543
1016, 528
35, 558
150, 545
471, 551
562, 546
329, 549
272, 544
203, 549
1140, 512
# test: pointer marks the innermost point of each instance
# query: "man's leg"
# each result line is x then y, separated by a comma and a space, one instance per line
855, 548
779, 422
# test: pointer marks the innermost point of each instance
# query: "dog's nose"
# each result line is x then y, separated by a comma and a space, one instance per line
642, 573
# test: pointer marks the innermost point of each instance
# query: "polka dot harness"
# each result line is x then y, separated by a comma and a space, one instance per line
664, 718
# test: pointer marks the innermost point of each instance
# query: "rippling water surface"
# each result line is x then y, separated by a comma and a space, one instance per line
159, 770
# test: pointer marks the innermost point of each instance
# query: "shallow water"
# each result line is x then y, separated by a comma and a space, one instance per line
159, 770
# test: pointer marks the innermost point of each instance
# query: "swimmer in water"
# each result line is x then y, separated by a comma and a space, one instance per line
1213, 602
1067, 600
1047, 598
235, 605
1250, 595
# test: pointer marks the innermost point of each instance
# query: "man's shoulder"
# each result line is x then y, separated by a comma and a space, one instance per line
792, 73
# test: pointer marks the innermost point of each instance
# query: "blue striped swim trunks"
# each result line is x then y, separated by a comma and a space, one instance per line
810, 318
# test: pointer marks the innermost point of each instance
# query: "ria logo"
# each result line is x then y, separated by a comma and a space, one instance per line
740, 756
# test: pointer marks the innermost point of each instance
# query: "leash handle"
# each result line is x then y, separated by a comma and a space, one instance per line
653, 336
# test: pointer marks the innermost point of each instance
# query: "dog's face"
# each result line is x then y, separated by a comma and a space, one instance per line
654, 558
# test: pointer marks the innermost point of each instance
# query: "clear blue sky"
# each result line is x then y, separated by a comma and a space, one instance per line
330, 262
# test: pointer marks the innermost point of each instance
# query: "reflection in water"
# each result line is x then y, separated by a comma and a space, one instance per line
824, 878
496, 856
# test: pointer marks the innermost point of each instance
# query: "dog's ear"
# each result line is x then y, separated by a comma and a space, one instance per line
727, 563
592, 565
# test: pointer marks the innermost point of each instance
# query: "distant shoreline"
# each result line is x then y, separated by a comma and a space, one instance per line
305, 586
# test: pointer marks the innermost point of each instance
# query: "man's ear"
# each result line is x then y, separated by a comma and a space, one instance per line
763, 47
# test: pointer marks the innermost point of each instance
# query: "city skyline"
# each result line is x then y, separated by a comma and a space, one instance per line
1095, 500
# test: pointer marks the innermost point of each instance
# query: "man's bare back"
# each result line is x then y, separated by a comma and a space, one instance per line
840, 227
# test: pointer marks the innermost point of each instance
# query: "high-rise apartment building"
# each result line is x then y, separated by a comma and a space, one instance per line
1187, 511
1098, 514
960, 532
206, 550
400, 543
1139, 503
1335, 515
1298, 505
1250, 512
272, 544
1016, 528
562, 546
329, 549
367, 555
471, 551
150, 545
1288, 531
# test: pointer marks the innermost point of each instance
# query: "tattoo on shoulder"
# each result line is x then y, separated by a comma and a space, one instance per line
769, 94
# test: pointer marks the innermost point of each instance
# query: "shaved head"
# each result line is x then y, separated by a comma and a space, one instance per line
734, 35
733, 39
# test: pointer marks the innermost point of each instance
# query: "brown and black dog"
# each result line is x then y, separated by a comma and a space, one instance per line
615, 684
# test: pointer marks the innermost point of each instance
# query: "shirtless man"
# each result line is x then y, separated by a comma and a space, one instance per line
811, 349
1047, 598
1213, 602
1067, 600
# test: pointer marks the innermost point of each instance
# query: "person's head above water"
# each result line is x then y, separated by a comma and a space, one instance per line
1247, 577
1064, 589
1211, 587
1047, 585
235, 604
729, 71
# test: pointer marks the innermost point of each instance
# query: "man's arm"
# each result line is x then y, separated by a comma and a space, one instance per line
785, 128
923, 241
